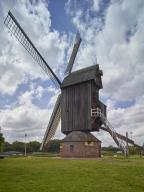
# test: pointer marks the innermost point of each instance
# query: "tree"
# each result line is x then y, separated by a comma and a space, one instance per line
33, 146
110, 148
7, 146
18, 146
1, 142
53, 146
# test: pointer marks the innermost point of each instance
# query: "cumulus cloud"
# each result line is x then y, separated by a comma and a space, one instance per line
130, 119
15, 63
25, 118
117, 42
116, 38
33, 93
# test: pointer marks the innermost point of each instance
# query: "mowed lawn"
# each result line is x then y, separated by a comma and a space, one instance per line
37, 174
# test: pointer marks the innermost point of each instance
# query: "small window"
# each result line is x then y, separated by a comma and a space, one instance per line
71, 148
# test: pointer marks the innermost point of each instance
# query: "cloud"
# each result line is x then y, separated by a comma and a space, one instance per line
25, 118
18, 68
15, 63
33, 93
129, 119
125, 120
117, 42
115, 37
96, 5
52, 89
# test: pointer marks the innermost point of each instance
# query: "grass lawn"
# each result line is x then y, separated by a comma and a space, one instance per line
45, 174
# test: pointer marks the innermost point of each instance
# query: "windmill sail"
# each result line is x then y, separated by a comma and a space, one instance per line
74, 53
15, 28
119, 136
122, 137
53, 123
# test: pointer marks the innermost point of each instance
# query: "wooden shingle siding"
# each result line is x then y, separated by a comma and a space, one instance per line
76, 102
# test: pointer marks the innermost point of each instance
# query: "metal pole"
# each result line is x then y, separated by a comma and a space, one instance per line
126, 155
25, 146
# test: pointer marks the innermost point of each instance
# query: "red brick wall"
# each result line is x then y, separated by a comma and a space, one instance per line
80, 149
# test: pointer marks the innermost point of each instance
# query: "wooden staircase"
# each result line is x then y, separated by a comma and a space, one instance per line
119, 139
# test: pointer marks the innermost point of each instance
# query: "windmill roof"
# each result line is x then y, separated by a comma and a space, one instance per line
83, 75
80, 136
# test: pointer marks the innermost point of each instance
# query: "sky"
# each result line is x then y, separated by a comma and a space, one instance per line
112, 33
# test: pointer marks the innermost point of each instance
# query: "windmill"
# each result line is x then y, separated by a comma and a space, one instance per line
78, 106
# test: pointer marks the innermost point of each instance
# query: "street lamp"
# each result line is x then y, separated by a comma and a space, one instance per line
25, 145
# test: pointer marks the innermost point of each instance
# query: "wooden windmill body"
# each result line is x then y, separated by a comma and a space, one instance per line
78, 106
80, 94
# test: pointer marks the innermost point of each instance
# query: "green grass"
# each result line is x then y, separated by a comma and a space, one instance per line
45, 174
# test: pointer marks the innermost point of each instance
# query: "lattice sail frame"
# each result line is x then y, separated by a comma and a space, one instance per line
15, 28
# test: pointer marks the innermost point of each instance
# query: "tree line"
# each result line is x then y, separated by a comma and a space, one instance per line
32, 146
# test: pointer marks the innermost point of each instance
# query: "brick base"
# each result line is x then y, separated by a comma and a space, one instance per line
80, 147
80, 150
